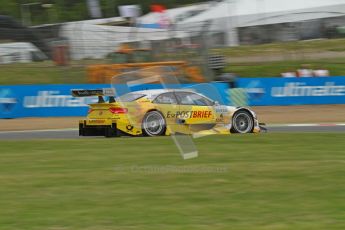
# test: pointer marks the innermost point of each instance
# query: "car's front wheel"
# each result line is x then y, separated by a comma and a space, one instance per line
153, 124
242, 122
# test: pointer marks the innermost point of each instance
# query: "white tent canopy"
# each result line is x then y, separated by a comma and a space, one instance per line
174, 15
231, 14
96, 41
230, 8
18, 52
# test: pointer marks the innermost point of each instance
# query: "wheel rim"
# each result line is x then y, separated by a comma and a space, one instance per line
243, 122
154, 123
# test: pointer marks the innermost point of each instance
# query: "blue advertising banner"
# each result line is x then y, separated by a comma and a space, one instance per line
43, 101
56, 100
294, 91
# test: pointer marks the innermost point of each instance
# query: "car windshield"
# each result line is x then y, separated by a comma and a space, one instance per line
130, 97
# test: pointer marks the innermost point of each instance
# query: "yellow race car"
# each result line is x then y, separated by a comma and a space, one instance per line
162, 112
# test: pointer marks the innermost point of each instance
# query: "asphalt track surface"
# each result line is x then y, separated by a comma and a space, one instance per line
73, 133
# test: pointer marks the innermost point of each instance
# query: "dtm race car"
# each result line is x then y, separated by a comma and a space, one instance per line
162, 112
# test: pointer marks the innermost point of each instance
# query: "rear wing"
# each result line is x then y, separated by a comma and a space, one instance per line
93, 92
110, 92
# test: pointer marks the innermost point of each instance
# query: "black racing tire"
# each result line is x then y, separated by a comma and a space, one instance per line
154, 124
242, 122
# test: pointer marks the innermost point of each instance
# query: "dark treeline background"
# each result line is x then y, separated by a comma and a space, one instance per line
72, 10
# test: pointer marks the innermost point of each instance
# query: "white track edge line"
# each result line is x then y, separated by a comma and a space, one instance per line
330, 124
268, 125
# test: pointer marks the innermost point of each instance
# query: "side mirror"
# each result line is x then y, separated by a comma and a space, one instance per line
216, 103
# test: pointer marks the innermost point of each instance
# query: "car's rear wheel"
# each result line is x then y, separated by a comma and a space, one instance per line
242, 122
154, 124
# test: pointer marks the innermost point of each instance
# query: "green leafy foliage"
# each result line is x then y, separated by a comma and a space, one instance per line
72, 10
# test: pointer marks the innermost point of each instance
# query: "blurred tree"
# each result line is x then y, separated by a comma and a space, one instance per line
9, 7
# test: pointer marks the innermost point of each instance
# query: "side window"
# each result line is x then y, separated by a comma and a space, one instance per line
165, 98
184, 98
193, 99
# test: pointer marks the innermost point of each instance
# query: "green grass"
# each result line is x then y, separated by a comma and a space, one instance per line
270, 181
321, 45
335, 66
41, 73
245, 61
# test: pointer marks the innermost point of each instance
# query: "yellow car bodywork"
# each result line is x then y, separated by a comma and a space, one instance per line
126, 118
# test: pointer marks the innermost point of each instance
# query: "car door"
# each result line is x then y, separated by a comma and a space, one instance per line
166, 103
195, 108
